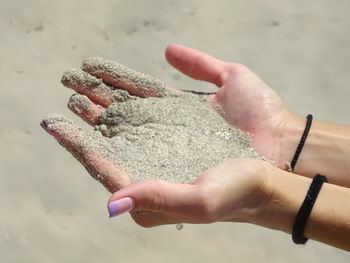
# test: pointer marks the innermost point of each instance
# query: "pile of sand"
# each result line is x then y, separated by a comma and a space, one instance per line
172, 136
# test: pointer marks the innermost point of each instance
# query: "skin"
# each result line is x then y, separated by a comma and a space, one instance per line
242, 190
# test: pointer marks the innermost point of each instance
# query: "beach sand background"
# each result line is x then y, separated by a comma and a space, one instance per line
52, 211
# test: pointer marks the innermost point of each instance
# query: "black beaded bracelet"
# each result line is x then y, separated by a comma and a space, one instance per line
306, 208
301, 143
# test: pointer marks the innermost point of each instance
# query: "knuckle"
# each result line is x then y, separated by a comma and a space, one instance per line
237, 68
156, 201
206, 210
143, 223
142, 219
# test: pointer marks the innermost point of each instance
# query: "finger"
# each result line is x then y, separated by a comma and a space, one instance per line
198, 65
178, 202
94, 88
89, 150
151, 219
119, 76
82, 106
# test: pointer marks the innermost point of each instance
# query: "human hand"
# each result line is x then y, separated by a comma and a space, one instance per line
249, 104
123, 85
92, 149
245, 100
247, 190
234, 191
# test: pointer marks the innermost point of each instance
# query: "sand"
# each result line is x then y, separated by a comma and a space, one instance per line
136, 83
159, 134
95, 85
48, 201
173, 138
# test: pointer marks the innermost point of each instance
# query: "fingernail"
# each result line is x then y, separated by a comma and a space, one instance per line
53, 119
43, 124
46, 126
78, 103
120, 206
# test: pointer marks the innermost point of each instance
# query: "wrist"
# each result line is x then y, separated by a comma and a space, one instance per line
325, 151
242, 204
290, 134
257, 197
284, 193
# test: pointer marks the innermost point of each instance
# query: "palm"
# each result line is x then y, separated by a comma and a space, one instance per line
245, 100
249, 104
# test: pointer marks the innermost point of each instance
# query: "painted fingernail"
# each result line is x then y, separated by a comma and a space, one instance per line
120, 206
52, 120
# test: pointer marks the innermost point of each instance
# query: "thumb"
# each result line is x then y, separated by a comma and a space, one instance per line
154, 196
198, 65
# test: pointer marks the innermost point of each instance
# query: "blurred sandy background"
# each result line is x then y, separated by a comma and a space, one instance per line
51, 211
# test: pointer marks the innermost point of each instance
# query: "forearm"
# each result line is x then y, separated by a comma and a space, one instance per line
326, 151
329, 221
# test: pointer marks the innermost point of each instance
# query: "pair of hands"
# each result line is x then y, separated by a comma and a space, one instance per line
232, 191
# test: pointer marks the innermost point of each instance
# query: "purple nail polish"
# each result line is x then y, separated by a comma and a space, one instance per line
120, 206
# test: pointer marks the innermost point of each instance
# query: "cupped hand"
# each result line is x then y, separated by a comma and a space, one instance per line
244, 100
99, 84
231, 191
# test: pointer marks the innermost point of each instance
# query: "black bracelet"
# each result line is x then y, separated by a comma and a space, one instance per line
198, 92
306, 208
301, 143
